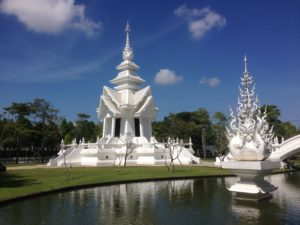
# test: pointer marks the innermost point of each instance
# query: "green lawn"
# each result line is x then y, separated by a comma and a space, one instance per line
24, 182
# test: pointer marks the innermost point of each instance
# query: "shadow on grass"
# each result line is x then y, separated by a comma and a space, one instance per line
8, 180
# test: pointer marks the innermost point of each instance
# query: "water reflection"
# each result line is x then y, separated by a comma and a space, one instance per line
199, 201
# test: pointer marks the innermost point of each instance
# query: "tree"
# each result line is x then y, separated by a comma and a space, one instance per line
220, 119
45, 120
289, 130
173, 150
3, 131
184, 125
280, 129
174, 126
219, 127
20, 127
85, 128
202, 134
66, 129
129, 147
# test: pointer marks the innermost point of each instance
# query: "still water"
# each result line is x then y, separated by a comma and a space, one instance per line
196, 201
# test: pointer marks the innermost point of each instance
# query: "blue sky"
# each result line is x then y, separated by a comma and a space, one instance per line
66, 50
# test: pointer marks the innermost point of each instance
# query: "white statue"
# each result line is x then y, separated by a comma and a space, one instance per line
249, 135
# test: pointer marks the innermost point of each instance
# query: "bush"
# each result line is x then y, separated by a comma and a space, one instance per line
2, 168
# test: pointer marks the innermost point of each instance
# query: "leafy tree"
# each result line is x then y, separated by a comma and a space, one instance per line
20, 127
45, 121
85, 128
219, 128
66, 129
160, 130
281, 129
220, 119
289, 130
99, 129
203, 133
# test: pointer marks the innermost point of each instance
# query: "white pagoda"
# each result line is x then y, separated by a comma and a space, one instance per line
127, 109
127, 112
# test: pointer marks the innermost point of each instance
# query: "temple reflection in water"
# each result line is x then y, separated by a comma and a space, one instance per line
196, 201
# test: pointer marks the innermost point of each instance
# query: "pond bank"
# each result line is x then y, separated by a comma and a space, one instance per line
18, 184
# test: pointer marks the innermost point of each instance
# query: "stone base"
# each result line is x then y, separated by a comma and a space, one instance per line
251, 197
252, 185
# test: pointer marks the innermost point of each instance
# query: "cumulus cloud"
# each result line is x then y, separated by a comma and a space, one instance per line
200, 21
212, 82
167, 77
51, 16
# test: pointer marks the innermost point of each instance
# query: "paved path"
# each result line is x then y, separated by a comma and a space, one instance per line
26, 167
202, 163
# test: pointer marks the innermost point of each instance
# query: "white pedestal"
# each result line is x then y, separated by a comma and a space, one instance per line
252, 184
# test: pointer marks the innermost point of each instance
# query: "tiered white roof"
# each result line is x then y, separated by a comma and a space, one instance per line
127, 79
127, 93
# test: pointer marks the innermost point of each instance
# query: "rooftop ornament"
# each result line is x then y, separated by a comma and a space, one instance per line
250, 143
249, 135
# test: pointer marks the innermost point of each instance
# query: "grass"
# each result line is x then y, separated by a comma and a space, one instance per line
16, 184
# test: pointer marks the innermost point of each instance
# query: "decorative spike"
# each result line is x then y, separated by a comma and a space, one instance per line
275, 141
245, 62
127, 52
127, 28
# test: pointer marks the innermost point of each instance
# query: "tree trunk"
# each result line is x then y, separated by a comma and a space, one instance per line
17, 155
203, 143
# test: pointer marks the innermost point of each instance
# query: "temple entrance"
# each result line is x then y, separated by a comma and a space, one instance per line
137, 127
118, 127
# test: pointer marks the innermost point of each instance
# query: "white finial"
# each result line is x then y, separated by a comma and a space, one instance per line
246, 62
62, 144
127, 52
127, 29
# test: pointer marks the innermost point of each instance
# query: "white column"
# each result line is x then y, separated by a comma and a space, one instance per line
150, 128
113, 126
141, 127
104, 128
122, 127
130, 125
126, 126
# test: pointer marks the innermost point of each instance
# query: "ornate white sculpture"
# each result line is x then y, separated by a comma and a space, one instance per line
250, 143
249, 135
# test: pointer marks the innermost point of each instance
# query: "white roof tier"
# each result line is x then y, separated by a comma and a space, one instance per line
127, 76
126, 97
127, 65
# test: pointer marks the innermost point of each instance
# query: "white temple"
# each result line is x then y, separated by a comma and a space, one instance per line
127, 111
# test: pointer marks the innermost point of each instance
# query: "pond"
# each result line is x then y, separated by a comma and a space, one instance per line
195, 201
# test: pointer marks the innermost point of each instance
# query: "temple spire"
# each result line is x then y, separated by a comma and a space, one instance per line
127, 78
127, 52
127, 30
246, 64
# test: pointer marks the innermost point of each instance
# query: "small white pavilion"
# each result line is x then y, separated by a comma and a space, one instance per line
127, 109
127, 112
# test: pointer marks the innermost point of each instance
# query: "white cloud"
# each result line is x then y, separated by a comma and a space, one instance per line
167, 77
212, 82
200, 21
51, 16
184, 11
